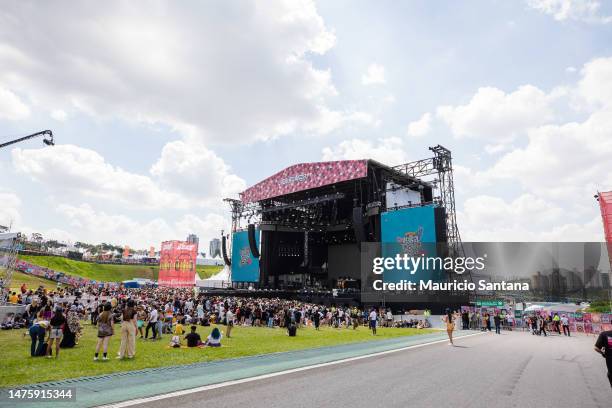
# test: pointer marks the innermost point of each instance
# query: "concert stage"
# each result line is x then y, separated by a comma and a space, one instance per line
303, 228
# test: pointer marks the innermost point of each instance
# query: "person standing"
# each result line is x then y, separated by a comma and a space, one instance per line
316, 318
603, 346
229, 316
556, 323
497, 320
128, 332
105, 331
56, 333
94, 312
542, 323
565, 324
152, 323
373, 318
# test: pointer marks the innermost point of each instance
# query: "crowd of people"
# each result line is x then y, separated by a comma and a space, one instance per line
54, 319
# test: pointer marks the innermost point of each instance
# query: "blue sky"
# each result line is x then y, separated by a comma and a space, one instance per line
160, 113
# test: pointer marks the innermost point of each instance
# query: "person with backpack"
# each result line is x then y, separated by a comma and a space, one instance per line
105, 331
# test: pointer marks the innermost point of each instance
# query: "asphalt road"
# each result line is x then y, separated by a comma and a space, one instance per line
507, 370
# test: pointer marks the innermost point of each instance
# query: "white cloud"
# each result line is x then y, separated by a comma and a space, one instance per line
375, 75
492, 114
59, 115
9, 209
11, 106
388, 151
69, 168
526, 218
420, 127
93, 226
562, 10
186, 175
180, 64
190, 169
568, 161
596, 83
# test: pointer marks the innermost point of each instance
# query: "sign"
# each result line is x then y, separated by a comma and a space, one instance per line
245, 267
518, 314
410, 231
490, 303
177, 264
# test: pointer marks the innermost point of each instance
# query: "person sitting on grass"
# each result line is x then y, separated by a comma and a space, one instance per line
214, 338
193, 338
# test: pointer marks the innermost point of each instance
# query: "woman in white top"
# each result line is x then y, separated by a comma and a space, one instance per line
214, 338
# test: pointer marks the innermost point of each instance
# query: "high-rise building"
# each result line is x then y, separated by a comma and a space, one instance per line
214, 249
193, 239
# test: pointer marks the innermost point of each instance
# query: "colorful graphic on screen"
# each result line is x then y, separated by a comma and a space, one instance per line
177, 264
245, 267
410, 231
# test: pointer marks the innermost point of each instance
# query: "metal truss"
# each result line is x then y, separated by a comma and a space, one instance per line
11, 261
441, 167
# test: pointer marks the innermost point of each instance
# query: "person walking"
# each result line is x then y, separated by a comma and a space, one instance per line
449, 322
105, 331
603, 346
128, 332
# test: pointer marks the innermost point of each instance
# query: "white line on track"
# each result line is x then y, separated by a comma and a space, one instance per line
174, 394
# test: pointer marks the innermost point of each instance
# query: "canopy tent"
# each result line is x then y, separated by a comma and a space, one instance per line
221, 279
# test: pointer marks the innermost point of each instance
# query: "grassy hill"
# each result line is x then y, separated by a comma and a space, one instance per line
106, 272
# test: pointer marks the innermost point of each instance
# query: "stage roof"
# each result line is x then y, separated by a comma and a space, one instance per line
306, 176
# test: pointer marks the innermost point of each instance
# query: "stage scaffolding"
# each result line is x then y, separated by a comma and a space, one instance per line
441, 168
9, 246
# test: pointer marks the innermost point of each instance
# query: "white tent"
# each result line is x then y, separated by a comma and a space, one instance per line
221, 279
534, 308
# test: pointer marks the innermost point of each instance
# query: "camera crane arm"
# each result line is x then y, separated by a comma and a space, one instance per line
48, 140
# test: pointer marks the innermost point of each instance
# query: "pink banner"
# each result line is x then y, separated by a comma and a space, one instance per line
177, 264
305, 176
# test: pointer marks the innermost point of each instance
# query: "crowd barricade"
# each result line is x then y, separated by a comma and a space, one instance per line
61, 277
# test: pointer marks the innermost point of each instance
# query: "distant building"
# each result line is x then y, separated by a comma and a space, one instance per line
605, 280
193, 239
214, 249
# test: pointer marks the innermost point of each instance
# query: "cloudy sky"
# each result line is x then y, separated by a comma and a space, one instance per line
160, 112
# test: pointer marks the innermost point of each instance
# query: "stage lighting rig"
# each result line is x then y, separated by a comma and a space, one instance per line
48, 138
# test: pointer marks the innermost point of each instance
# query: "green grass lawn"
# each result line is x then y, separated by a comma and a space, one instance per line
106, 272
32, 282
19, 368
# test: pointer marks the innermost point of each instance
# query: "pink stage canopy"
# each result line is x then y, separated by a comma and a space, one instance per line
305, 176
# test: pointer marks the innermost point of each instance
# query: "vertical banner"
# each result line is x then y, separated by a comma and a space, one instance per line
152, 252
605, 205
126, 251
410, 231
245, 267
177, 264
